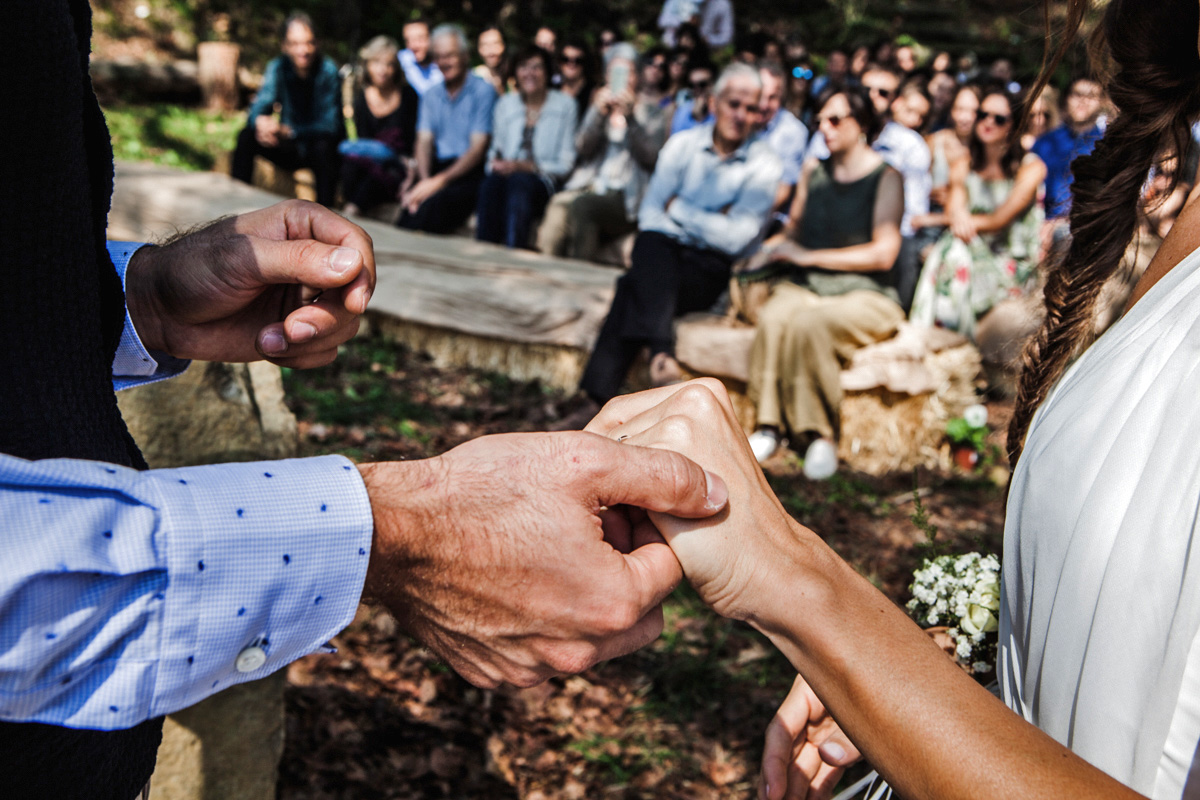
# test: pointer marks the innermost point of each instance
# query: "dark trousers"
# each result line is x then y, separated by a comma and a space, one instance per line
318, 153
447, 210
668, 279
508, 207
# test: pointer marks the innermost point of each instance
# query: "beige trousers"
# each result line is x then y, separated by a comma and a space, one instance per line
801, 344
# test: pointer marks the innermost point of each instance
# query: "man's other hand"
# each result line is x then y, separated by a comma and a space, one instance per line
286, 283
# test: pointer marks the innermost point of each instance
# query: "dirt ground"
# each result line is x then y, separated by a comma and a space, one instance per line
683, 718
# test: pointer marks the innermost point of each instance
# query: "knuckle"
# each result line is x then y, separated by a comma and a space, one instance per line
573, 658
699, 399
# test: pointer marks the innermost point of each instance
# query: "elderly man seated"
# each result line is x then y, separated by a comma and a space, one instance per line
706, 206
454, 130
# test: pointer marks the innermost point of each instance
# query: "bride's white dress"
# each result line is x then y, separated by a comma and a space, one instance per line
1101, 584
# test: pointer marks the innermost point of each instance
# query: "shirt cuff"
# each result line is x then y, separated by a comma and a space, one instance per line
266, 565
133, 364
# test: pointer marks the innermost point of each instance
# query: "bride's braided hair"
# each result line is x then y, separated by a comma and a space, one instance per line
1154, 84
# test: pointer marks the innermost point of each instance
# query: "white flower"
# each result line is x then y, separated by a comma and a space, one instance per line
976, 415
963, 649
979, 620
981, 666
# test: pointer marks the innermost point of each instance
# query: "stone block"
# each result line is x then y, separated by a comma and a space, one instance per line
228, 746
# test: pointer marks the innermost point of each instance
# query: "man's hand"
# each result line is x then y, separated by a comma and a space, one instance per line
805, 752
266, 130
423, 190
498, 556
286, 283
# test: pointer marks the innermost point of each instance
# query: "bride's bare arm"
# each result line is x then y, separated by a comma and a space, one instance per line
926, 726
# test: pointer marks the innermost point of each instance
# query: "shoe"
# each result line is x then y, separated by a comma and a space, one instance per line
664, 370
820, 460
763, 443
578, 419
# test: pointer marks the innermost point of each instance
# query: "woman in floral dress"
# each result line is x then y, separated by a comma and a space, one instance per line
990, 252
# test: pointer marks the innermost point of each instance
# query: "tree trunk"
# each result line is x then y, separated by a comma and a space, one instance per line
218, 63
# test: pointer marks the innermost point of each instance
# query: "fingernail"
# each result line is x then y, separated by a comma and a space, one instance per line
717, 494
343, 259
273, 343
832, 751
365, 293
302, 332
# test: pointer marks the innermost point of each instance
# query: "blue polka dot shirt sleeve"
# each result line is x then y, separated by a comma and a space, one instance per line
133, 364
125, 595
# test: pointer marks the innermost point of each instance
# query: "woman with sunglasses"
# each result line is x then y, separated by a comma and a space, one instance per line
1099, 663
799, 77
577, 76
990, 252
841, 240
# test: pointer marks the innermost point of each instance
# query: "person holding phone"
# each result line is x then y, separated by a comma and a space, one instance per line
617, 145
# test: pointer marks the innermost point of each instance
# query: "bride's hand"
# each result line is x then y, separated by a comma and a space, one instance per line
805, 752
738, 558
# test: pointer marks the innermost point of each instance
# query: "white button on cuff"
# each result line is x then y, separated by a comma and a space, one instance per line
250, 659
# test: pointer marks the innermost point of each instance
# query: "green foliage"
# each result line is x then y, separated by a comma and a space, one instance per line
170, 135
961, 432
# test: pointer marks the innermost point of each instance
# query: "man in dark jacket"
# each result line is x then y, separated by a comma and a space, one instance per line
295, 120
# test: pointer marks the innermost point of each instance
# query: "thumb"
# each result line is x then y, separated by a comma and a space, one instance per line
657, 480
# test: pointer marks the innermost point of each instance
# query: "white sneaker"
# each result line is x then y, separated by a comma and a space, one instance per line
763, 443
820, 460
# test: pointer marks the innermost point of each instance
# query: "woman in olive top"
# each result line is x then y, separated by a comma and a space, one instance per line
841, 241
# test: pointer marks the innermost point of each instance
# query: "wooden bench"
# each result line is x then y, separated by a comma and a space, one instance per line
534, 317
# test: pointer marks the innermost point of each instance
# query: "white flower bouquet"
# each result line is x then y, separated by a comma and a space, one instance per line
961, 593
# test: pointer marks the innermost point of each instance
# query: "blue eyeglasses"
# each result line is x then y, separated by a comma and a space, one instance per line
802, 72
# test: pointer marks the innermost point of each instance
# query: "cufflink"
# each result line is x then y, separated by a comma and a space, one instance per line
250, 659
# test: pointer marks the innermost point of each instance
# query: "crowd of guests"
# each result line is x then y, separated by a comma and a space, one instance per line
894, 184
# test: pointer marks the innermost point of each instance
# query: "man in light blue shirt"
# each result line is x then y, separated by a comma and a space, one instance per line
785, 134
419, 69
707, 205
454, 130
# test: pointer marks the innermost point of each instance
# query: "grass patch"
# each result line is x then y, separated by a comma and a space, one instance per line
172, 135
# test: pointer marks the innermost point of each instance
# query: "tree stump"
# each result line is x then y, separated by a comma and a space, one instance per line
218, 75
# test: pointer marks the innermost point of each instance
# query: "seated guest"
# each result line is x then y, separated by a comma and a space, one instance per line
305, 87
546, 39
420, 71
385, 117
990, 252
786, 135
706, 206
1043, 117
950, 143
842, 238
912, 105
578, 79
655, 77
617, 145
454, 129
1076, 136
799, 92
697, 109
494, 68
533, 150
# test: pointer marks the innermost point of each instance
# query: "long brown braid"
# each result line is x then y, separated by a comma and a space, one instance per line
1154, 84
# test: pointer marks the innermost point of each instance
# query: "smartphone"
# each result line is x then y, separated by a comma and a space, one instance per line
618, 78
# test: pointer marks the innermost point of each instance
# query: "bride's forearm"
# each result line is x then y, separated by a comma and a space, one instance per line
930, 729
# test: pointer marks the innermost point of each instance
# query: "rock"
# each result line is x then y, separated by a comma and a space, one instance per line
228, 746
210, 414
225, 748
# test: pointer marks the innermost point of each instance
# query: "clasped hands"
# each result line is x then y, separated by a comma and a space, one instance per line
514, 557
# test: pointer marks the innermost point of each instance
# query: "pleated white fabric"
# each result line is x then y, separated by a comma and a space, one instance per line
1101, 585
